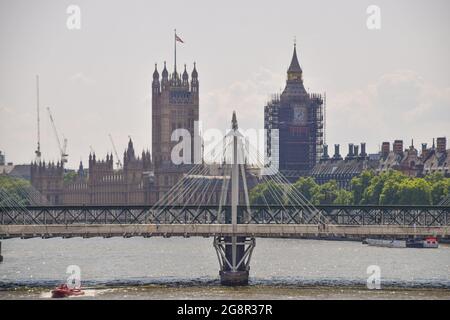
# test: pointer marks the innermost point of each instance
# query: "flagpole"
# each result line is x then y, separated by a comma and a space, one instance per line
175, 45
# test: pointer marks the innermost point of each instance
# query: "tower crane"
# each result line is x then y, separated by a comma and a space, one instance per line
62, 149
38, 150
118, 163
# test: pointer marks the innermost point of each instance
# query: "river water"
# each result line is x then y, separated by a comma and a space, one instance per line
179, 268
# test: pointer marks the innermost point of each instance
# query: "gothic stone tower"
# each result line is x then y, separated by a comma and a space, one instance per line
298, 117
175, 105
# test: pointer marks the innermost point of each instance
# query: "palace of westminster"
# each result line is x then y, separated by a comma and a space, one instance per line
296, 115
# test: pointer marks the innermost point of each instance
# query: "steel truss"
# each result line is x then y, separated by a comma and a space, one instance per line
339, 215
220, 244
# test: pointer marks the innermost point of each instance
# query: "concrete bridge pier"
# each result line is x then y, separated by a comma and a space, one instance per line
1, 257
234, 254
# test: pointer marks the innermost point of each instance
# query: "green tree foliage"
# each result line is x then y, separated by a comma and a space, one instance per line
390, 193
414, 191
344, 197
326, 193
305, 186
70, 176
359, 184
440, 187
374, 191
14, 191
391, 187
267, 193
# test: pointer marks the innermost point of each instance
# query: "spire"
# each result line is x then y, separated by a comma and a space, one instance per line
294, 83
165, 73
194, 72
234, 124
130, 144
185, 74
130, 150
155, 73
294, 66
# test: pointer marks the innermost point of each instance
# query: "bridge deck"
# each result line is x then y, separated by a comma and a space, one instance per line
259, 221
422, 216
205, 230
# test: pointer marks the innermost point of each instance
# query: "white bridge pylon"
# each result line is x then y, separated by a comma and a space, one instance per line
234, 154
227, 172
234, 253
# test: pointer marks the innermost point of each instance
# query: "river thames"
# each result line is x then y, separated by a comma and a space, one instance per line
179, 268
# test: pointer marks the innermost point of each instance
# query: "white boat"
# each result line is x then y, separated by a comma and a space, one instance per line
386, 243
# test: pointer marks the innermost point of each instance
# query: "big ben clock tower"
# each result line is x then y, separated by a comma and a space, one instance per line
298, 117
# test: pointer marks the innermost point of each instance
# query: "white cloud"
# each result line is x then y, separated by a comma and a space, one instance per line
80, 77
399, 105
246, 97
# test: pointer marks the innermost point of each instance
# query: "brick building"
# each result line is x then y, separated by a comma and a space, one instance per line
406, 160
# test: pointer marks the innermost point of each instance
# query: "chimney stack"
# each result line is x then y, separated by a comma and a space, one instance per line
424, 147
325, 152
356, 151
363, 153
350, 151
398, 147
336, 156
385, 149
425, 151
441, 144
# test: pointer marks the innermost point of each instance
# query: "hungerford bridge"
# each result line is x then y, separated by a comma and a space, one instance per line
232, 224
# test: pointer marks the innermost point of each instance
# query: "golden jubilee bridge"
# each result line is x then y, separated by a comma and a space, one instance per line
233, 223
256, 221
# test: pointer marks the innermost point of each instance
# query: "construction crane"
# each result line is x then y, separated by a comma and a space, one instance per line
62, 149
38, 150
118, 163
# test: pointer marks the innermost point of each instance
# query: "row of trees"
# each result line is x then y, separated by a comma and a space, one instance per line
391, 187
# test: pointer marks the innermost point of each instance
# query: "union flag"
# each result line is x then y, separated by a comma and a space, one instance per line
177, 38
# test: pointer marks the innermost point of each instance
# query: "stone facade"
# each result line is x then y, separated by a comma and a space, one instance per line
142, 180
48, 180
411, 163
175, 105
101, 184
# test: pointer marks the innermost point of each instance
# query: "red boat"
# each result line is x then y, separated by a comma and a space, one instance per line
63, 291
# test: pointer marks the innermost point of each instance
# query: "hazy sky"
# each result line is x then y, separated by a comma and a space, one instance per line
385, 84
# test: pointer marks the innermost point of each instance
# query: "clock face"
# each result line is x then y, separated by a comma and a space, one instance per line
299, 114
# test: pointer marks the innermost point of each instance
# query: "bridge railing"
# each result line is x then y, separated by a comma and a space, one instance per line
340, 215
